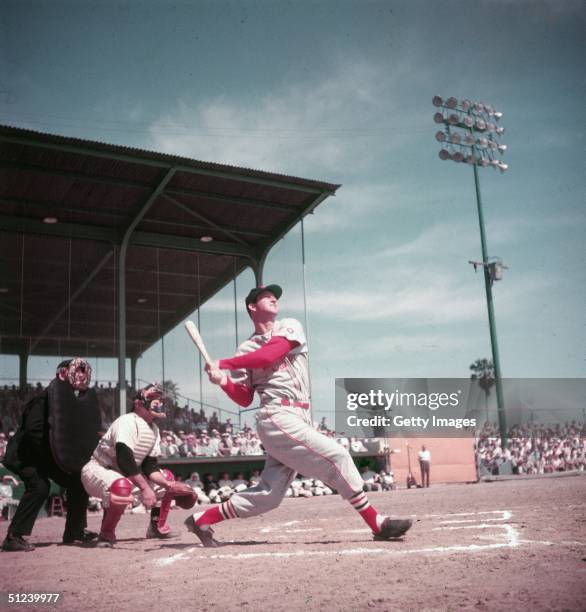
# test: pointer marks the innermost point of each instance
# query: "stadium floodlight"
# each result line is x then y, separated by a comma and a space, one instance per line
478, 151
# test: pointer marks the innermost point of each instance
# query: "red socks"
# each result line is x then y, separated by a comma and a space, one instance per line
371, 517
216, 514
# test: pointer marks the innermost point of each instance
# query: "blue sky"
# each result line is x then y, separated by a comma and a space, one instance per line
341, 92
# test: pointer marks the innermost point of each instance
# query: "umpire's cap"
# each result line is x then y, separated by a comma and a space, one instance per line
254, 293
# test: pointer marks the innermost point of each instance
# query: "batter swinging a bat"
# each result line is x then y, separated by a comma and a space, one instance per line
273, 362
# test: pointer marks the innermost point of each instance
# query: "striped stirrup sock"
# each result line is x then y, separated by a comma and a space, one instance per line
216, 514
371, 517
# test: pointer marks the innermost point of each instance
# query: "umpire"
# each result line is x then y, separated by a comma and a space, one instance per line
58, 432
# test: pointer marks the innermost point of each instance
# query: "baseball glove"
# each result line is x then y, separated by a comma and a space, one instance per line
185, 497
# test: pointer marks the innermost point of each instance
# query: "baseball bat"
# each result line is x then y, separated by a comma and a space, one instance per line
197, 340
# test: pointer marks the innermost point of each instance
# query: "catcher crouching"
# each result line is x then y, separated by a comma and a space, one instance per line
126, 460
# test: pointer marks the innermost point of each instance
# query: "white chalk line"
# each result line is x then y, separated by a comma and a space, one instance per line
512, 541
506, 515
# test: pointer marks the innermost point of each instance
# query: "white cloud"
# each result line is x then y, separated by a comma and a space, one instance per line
303, 128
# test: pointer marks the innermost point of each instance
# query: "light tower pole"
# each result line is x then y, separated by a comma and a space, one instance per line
471, 135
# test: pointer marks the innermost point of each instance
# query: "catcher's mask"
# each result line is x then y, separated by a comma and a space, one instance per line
78, 373
153, 398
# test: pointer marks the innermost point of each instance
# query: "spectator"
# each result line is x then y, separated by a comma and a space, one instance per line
387, 480
210, 486
225, 481
254, 478
253, 446
215, 440
424, 465
239, 482
225, 445
371, 479
356, 445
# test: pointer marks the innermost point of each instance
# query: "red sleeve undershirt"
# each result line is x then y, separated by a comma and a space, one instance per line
276, 348
238, 392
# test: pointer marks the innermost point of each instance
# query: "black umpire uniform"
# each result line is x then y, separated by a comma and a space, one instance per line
58, 432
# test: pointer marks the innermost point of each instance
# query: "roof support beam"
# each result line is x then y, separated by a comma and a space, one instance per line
203, 218
280, 231
233, 200
122, 284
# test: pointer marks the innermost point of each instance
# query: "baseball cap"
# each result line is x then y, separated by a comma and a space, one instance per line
254, 293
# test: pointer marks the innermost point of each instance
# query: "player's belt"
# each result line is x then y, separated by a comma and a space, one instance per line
287, 402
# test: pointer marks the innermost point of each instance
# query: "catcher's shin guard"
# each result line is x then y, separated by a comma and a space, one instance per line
112, 516
158, 527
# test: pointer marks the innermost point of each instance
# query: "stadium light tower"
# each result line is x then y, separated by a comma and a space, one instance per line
471, 134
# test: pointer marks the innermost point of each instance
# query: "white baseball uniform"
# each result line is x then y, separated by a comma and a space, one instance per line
286, 430
102, 469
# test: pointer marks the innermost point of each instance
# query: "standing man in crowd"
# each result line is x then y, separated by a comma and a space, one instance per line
58, 432
274, 362
126, 458
424, 465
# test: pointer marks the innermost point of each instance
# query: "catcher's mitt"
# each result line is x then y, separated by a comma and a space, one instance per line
184, 496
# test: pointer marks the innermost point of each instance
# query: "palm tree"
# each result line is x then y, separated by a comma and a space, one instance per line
171, 390
483, 372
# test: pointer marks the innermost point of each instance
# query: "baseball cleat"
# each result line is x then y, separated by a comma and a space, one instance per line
102, 542
393, 528
85, 537
205, 533
163, 533
14, 543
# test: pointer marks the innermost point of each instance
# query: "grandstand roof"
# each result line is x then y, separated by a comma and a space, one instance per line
68, 207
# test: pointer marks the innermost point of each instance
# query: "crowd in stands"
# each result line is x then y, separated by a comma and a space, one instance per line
533, 449
184, 432
187, 433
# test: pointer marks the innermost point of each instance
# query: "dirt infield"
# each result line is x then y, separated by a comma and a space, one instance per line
495, 546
